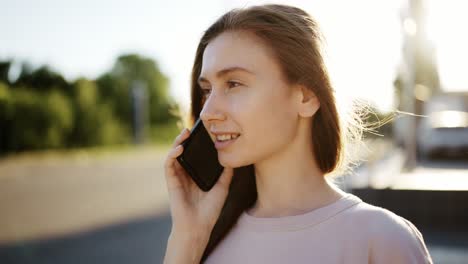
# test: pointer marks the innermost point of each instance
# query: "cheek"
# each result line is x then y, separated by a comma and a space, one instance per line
267, 124
264, 111
273, 112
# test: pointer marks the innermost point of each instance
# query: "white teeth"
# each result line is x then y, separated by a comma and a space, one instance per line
226, 137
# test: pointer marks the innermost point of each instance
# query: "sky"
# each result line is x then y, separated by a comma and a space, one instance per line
447, 21
83, 38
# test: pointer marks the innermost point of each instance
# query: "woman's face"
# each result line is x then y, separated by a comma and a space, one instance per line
256, 103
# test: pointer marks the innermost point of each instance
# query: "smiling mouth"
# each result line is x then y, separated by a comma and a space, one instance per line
222, 138
222, 144
227, 140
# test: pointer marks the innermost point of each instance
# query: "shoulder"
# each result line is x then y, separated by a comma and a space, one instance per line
380, 221
391, 238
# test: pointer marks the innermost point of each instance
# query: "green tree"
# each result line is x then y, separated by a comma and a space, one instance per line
116, 84
42, 79
94, 121
4, 70
5, 116
40, 120
40, 109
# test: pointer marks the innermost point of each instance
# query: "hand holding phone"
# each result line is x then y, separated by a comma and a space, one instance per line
200, 157
194, 212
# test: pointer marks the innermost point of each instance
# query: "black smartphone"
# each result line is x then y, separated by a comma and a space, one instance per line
200, 157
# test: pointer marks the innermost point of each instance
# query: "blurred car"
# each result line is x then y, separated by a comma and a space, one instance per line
444, 130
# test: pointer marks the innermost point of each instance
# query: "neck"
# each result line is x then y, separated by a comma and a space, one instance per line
290, 183
299, 194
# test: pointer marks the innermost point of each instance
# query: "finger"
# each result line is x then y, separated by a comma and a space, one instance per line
181, 137
171, 157
172, 172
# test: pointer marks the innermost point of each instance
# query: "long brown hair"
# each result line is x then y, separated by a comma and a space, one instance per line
295, 39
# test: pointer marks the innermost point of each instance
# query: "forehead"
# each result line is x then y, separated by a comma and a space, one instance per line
237, 48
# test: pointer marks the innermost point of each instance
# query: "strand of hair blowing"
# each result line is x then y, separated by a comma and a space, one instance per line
293, 38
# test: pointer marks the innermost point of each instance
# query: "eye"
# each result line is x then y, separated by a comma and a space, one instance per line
233, 83
205, 92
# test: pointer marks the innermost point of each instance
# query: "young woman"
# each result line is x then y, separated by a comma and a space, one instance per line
260, 79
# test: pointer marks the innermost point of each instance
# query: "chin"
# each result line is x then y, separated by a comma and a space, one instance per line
230, 161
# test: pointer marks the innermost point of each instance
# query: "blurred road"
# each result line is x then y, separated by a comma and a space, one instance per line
429, 174
113, 209
437, 174
44, 196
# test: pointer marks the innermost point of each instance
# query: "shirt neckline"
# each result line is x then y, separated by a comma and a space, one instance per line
297, 222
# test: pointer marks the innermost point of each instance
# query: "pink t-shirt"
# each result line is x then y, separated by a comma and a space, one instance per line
346, 231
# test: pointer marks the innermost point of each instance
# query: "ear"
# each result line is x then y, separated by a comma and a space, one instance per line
308, 103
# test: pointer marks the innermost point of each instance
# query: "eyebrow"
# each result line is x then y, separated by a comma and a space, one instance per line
226, 71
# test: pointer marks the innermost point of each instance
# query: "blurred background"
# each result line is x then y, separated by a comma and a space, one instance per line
92, 94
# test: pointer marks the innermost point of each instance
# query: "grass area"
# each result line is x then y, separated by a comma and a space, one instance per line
94, 152
159, 138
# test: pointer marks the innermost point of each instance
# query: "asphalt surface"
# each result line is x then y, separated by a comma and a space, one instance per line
139, 241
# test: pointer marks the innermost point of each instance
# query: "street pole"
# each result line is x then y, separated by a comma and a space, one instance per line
139, 110
411, 28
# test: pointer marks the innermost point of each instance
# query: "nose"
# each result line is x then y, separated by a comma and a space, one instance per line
212, 109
